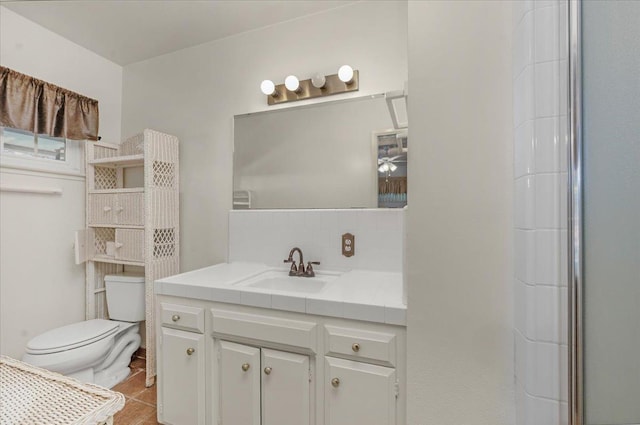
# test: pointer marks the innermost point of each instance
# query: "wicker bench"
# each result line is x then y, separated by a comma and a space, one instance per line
33, 396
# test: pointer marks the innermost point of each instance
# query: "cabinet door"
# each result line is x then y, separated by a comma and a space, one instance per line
129, 209
239, 380
101, 208
182, 377
285, 388
359, 393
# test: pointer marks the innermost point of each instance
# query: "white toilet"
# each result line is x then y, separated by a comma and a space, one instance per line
96, 351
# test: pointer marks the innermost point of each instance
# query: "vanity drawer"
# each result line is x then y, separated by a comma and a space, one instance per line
356, 344
242, 326
182, 317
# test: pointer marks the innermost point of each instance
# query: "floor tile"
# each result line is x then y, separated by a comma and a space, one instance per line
147, 396
133, 413
132, 385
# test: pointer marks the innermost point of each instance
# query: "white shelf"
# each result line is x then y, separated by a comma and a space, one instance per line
128, 190
112, 260
117, 226
119, 161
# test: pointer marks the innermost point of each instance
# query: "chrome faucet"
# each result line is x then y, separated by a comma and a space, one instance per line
300, 270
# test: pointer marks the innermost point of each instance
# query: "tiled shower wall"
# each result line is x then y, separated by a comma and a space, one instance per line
540, 146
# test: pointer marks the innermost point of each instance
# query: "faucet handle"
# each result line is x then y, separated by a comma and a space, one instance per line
309, 272
293, 271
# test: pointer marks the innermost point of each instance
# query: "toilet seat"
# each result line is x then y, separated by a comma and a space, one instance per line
72, 336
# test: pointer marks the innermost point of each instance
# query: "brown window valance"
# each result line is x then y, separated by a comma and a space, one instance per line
29, 104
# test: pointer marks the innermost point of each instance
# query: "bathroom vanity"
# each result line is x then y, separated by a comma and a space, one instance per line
243, 343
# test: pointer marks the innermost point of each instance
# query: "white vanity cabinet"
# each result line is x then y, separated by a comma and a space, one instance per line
271, 367
181, 366
259, 386
359, 393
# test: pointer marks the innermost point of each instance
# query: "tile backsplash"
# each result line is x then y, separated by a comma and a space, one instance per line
267, 236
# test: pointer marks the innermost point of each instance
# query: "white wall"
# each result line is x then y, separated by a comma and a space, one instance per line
540, 172
460, 340
194, 94
40, 286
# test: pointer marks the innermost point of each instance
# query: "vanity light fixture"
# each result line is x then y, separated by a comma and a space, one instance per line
345, 73
346, 80
292, 83
318, 81
269, 88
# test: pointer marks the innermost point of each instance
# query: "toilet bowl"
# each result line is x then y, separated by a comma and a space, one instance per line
97, 351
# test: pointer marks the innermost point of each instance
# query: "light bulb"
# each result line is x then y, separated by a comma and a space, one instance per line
384, 167
345, 73
292, 83
268, 87
318, 81
393, 167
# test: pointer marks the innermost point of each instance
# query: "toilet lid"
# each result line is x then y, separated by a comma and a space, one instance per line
72, 336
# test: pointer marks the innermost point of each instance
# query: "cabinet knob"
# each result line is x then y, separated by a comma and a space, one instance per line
245, 367
190, 351
267, 370
355, 347
119, 209
175, 317
335, 382
107, 209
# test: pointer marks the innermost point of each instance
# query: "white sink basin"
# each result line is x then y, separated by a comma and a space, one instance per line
279, 280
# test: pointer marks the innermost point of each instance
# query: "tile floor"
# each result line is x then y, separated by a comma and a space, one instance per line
140, 405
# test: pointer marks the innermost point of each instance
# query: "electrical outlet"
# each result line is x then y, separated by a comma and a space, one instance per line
348, 245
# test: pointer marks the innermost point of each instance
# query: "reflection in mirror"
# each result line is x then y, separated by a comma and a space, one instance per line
392, 168
324, 155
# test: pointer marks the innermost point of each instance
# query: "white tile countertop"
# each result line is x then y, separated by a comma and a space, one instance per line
367, 295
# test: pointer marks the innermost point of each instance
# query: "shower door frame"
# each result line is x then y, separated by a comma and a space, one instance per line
575, 218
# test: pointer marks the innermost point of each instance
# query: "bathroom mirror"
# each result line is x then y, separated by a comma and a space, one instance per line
337, 154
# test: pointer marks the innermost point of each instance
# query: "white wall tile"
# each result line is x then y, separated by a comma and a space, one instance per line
548, 314
523, 45
520, 9
523, 97
547, 77
266, 236
547, 41
548, 145
564, 373
548, 199
525, 247
539, 4
543, 411
547, 257
547, 376
525, 202
524, 152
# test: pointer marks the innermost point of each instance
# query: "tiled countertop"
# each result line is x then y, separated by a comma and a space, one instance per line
371, 296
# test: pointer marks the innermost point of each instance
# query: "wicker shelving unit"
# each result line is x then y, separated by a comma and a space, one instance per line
131, 226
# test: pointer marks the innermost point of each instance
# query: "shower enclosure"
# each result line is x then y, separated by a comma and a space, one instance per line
604, 211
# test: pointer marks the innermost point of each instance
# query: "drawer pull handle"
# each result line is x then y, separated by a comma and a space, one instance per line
267, 370
190, 351
335, 382
245, 367
118, 245
107, 209
175, 317
355, 347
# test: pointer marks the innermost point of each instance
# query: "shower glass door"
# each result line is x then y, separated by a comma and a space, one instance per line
611, 214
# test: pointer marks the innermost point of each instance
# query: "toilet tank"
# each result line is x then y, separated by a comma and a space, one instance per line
125, 296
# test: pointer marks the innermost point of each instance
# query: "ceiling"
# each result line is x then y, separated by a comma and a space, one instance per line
127, 31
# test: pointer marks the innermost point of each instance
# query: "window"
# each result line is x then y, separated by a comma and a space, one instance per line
21, 149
